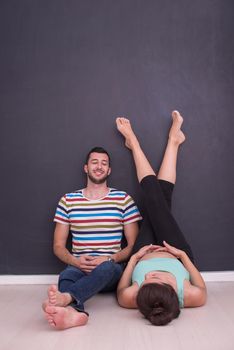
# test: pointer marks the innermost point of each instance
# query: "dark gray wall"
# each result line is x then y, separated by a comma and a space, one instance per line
68, 68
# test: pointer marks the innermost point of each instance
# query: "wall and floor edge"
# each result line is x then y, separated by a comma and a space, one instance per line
211, 276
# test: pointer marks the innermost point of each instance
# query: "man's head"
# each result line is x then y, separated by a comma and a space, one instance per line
97, 166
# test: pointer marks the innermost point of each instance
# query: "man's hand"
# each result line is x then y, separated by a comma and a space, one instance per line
99, 260
86, 263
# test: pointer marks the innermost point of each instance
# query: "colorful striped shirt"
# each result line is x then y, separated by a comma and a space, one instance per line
96, 226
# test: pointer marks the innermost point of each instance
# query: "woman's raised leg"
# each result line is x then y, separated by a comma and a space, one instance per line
162, 222
167, 169
143, 167
176, 137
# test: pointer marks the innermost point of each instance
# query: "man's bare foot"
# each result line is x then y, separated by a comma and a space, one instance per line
56, 298
175, 134
64, 317
124, 127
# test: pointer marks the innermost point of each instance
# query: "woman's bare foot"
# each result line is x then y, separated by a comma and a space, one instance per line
64, 317
56, 298
175, 134
124, 127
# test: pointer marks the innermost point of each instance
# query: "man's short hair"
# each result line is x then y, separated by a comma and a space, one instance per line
97, 150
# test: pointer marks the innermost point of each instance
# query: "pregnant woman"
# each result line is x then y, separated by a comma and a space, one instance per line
160, 277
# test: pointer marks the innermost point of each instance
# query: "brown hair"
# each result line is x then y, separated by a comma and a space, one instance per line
159, 303
97, 150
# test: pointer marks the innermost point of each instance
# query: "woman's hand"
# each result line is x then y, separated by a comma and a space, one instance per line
145, 250
178, 253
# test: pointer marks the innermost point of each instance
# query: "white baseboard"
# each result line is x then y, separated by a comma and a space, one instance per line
28, 279
218, 276
214, 276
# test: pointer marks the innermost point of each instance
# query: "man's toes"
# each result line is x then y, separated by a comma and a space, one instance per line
52, 300
47, 316
50, 309
51, 294
52, 289
44, 304
51, 322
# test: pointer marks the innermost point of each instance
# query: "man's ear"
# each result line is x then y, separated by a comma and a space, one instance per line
86, 168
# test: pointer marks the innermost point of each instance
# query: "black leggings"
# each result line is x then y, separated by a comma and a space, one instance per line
159, 224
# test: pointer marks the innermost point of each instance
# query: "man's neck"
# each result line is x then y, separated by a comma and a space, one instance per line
95, 191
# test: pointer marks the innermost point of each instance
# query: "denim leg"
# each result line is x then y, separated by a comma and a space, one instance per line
69, 276
83, 286
104, 275
67, 279
112, 285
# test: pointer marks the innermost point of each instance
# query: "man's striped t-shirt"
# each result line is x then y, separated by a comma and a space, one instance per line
96, 225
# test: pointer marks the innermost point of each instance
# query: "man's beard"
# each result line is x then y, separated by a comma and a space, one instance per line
97, 181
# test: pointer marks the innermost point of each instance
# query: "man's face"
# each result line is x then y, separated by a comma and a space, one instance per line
98, 168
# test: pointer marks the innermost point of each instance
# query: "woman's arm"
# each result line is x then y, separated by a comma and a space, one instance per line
126, 279
195, 294
195, 276
126, 293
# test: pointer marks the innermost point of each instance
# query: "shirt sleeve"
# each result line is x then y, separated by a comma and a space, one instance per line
130, 211
61, 214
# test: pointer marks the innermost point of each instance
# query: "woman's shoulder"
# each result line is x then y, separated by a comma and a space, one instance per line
127, 296
193, 295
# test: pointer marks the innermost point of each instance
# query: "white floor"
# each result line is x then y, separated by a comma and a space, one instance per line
22, 325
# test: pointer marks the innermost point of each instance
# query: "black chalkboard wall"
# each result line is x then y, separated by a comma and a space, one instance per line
68, 68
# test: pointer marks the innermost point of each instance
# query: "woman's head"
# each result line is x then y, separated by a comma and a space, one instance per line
158, 303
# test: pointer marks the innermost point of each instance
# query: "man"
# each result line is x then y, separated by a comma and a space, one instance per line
97, 217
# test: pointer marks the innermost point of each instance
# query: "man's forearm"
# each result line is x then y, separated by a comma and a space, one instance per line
130, 231
65, 256
123, 254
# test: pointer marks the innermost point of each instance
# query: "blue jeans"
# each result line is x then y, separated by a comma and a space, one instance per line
82, 286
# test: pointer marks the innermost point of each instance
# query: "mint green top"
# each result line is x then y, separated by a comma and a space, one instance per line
174, 266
